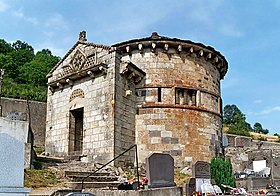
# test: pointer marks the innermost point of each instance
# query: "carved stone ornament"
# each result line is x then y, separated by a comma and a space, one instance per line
82, 36
75, 65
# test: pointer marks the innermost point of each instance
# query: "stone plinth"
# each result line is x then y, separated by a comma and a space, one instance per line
14, 191
13, 135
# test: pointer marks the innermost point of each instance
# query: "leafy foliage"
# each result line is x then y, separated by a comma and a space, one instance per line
259, 129
221, 172
5, 47
25, 72
236, 121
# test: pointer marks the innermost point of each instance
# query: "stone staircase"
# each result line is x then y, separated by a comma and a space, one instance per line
102, 180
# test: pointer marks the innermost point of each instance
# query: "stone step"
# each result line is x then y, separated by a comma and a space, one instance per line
107, 185
84, 173
76, 178
73, 157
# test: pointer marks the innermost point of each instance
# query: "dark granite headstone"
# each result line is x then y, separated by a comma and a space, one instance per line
190, 186
160, 170
201, 169
201, 173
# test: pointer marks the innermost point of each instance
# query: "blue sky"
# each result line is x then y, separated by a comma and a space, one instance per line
245, 32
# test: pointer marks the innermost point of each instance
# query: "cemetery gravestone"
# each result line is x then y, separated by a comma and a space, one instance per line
190, 186
13, 135
160, 170
201, 175
201, 172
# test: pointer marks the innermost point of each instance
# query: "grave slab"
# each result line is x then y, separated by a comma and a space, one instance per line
160, 170
13, 135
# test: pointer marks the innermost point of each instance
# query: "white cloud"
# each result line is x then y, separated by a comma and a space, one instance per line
230, 30
270, 110
56, 21
258, 101
3, 6
20, 14
214, 17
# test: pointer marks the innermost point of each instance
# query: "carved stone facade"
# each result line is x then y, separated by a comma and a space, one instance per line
160, 93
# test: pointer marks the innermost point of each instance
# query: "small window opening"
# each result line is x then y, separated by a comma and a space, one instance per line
159, 94
185, 96
141, 93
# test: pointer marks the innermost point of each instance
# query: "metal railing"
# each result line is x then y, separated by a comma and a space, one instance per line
137, 172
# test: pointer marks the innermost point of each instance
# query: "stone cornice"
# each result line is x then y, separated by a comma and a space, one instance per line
132, 71
178, 106
157, 43
70, 78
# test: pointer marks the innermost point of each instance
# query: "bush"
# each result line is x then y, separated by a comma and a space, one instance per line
37, 164
261, 138
235, 131
221, 172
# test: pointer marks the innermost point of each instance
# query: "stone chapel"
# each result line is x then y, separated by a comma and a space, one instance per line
160, 93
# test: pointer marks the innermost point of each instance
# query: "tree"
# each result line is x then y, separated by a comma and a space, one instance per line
232, 115
25, 72
5, 47
35, 71
265, 131
235, 120
258, 127
19, 45
221, 172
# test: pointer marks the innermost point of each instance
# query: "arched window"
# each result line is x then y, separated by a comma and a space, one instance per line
77, 93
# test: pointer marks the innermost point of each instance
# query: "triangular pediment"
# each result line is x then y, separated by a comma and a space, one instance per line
81, 56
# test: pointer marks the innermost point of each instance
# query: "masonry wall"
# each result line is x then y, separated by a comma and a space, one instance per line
240, 148
17, 109
125, 111
98, 104
189, 132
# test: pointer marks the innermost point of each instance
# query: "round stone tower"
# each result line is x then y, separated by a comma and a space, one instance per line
179, 101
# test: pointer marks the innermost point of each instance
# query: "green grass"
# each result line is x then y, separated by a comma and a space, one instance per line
34, 178
39, 150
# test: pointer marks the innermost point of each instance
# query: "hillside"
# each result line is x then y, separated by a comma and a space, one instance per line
25, 71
